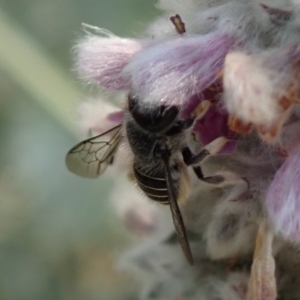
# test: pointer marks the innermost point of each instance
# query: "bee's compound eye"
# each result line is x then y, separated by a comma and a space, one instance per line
132, 102
162, 118
161, 150
155, 119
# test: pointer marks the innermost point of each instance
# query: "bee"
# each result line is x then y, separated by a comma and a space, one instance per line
158, 141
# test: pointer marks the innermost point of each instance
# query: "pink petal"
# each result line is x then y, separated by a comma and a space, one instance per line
98, 116
116, 117
102, 59
283, 196
174, 71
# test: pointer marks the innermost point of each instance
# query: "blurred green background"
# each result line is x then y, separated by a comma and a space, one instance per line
59, 236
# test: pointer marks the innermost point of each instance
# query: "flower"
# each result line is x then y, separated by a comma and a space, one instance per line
231, 69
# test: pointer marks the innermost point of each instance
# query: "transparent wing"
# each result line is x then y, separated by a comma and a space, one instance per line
91, 157
177, 217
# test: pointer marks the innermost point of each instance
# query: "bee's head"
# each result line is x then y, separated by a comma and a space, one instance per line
155, 119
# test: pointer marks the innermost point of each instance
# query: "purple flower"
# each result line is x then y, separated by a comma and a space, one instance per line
236, 72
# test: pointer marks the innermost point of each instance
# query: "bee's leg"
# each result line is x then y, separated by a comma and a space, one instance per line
212, 148
180, 126
188, 157
217, 179
223, 178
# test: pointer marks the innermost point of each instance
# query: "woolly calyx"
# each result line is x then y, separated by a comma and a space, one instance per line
231, 231
272, 13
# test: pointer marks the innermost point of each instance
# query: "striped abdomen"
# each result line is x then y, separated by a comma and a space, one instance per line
154, 188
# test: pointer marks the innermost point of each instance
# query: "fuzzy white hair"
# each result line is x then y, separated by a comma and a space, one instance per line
251, 89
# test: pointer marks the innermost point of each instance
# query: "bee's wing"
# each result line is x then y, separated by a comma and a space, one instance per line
91, 157
177, 217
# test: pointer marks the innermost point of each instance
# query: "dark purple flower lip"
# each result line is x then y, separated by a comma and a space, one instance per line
213, 120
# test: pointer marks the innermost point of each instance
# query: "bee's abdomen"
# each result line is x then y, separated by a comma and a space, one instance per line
155, 188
